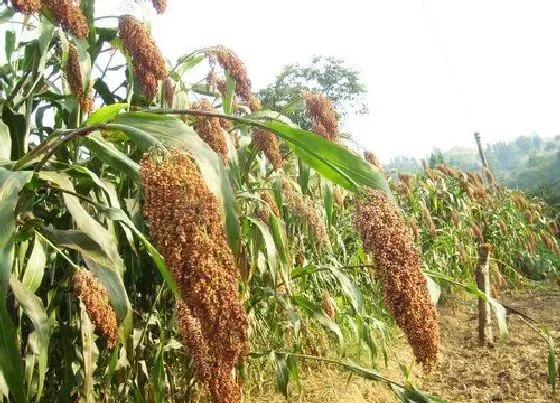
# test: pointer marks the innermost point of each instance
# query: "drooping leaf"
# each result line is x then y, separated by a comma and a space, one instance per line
85, 221
11, 371
104, 114
328, 202
433, 288
269, 243
89, 355
35, 267
111, 156
317, 313
349, 288
332, 161
99, 263
281, 369
38, 340
5, 142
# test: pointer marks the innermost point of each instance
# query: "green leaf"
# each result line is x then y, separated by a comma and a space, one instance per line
9, 44
281, 370
110, 155
187, 62
328, 202
315, 311
349, 288
99, 263
227, 100
334, 162
89, 355
11, 371
269, 245
173, 132
104, 114
35, 266
85, 65
116, 214
6, 14
84, 221
5, 142
38, 340
157, 378
280, 238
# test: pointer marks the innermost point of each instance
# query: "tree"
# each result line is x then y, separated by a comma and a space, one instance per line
436, 158
326, 75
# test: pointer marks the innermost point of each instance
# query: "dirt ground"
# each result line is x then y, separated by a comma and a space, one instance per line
511, 371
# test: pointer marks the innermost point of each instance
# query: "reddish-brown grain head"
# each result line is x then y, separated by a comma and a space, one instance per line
149, 64
230, 62
68, 14
267, 142
211, 129
27, 6
385, 236
96, 301
159, 6
321, 111
186, 225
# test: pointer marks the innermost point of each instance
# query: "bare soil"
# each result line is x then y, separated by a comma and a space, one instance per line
511, 371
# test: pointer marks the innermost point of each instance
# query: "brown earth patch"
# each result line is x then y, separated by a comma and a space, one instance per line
511, 371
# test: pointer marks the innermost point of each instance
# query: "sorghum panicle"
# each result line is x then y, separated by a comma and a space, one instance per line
27, 6
69, 15
254, 104
271, 207
304, 209
159, 6
169, 91
267, 142
373, 160
96, 300
74, 77
428, 219
329, 306
230, 62
211, 130
149, 64
186, 225
321, 111
385, 236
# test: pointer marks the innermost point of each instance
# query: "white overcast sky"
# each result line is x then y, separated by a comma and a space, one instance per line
436, 70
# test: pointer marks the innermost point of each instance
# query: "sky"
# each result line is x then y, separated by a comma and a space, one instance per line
435, 70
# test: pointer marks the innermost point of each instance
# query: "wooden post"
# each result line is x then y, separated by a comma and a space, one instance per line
480, 152
482, 275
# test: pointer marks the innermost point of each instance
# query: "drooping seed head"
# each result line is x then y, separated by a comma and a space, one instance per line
211, 130
385, 235
230, 62
96, 301
159, 5
267, 142
27, 6
186, 225
149, 64
69, 15
321, 111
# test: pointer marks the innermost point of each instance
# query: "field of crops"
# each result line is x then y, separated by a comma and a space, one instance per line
164, 237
